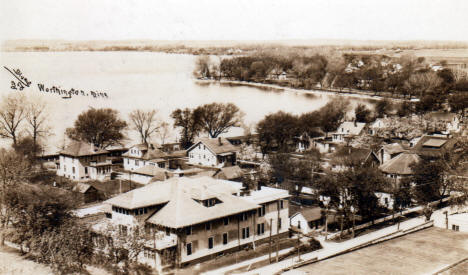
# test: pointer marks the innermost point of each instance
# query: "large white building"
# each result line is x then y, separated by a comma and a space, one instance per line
212, 152
82, 161
191, 219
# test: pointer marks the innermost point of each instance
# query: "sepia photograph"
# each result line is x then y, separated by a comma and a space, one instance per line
234, 137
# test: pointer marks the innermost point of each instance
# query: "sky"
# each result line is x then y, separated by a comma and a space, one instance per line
234, 20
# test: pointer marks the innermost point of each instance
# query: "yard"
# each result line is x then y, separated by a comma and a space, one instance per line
423, 252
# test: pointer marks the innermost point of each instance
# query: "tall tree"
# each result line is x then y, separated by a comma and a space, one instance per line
362, 113
276, 131
145, 123
428, 178
216, 118
332, 114
383, 107
101, 127
37, 118
189, 123
12, 113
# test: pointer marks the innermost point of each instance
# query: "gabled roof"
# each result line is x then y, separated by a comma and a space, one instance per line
350, 128
231, 172
80, 149
348, 153
393, 148
310, 214
400, 164
216, 145
150, 170
148, 154
82, 187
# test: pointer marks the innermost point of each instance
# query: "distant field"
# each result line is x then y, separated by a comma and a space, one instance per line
431, 55
423, 252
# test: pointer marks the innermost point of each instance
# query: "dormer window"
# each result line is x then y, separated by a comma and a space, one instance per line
209, 202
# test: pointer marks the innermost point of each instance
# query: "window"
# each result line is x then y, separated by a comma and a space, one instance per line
189, 249
281, 204
86, 170
244, 217
455, 227
168, 231
299, 224
261, 211
188, 231
279, 223
226, 221
122, 230
260, 228
245, 232
128, 161
137, 163
64, 168
210, 242
208, 226
161, 165
225, 238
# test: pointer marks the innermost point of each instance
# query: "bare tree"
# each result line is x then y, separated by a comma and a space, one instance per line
215, 118
145, 123
164, 132
12, 113
36, 118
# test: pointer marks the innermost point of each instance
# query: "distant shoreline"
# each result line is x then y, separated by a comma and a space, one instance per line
347, 92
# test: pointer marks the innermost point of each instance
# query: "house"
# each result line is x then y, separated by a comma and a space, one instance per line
347, 156
324, 145
211, 152
399, 167
378, 124
148, 173
389, 151
83, 161
87, 192
432, 146
233, 173
141, 155
192, 219
347, 130
307, 219
444, 121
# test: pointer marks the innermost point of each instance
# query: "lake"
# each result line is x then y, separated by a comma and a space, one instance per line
143, 80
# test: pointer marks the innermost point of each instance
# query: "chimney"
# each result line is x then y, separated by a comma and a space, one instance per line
220, 142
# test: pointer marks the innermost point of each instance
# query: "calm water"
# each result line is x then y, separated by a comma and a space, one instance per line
139, 80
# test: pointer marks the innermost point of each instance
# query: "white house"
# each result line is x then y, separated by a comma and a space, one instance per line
83, 161
347, 129
192, 219
141, 155
400, 166
212, 152
307, 220
449, 122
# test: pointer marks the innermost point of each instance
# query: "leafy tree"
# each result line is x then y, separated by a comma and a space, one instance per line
362, 113
202, 66
145, 123
12, 113
448, 79
428, 178
276, 131
189, 122
458, 102
101, 127
383, 107
28, 148
405, 109
216, 118
332, 114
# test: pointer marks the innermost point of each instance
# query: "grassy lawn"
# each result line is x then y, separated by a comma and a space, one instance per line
423, 252
239, 256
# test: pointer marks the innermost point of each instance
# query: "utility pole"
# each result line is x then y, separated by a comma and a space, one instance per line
298, 247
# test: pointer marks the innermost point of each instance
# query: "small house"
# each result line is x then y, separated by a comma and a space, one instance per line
87, 192
347, 130
307, 219
212, 152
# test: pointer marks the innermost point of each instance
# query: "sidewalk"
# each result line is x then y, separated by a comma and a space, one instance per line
331, 249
